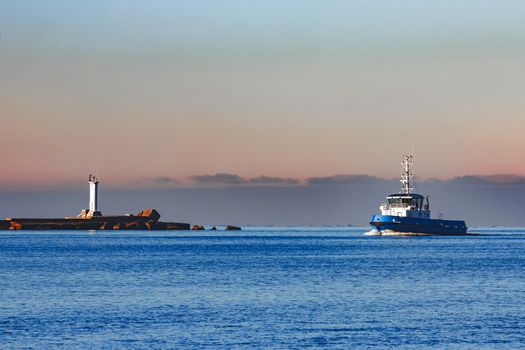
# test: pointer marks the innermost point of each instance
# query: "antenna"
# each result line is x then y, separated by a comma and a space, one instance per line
406, 173
413, 154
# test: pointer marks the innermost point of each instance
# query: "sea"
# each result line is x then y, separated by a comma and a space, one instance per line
262, 288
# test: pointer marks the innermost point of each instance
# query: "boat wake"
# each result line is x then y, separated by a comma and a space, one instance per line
375, 232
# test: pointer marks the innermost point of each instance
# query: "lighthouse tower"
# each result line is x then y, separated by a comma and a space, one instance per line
93, 197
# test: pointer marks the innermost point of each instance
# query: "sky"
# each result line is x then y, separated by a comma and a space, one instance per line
171, 92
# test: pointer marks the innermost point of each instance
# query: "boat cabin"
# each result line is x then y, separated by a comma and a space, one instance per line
407, 205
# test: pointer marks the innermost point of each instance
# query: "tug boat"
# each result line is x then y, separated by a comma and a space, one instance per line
408, 213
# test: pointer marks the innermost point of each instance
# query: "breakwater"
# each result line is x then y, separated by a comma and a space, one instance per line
148, 219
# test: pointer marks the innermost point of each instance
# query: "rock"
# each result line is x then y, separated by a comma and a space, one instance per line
130, 225
106, 226
150, 213
4, 224
136, 225
15, 226
177, 226
197, 228
146, 220
142, 226
158, 225
83, 214
232, 228
213, 228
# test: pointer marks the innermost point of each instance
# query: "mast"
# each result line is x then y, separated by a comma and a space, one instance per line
406, 173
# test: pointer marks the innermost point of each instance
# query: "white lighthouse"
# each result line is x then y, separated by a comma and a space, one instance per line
93, 196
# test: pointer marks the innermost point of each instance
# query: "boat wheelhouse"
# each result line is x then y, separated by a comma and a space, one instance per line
409, 205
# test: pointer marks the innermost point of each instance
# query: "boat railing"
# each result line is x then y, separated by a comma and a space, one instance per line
403, 206
399, 205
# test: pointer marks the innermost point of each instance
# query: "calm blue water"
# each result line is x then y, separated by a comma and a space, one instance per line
280, 288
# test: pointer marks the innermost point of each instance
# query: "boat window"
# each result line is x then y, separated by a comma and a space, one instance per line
394, 201
416, 201
400, 202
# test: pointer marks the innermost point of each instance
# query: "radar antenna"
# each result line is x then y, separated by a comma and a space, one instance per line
406, 173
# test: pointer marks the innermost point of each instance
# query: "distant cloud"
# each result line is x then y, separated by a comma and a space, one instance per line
338, 180
228, 180
503, 179
162, 180
153, 182
223, 179
269, 180
218, 179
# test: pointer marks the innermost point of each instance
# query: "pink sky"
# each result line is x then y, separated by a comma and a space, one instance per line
100, 93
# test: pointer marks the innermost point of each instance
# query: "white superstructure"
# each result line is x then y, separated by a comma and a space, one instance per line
406, 204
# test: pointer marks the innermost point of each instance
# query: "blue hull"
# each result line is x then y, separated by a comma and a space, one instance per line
418, 225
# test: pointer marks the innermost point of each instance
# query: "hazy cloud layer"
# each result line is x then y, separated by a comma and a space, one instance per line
492, 179
499, 179
218, 179
223, 179
337, 180
234, 180
269, 180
